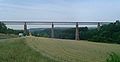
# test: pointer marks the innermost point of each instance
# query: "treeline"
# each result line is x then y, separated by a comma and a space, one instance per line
5, 30
109, 33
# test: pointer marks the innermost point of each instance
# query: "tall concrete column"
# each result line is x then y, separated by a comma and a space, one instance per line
52, 31
25, 28
98, 26
77, 32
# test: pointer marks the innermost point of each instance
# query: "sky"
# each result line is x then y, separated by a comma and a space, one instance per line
60, 10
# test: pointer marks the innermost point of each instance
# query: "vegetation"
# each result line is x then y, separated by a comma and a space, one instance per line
16, 50
113, 57
7, 36
5, 30
72, 51
6, 33
109, 33
34, 49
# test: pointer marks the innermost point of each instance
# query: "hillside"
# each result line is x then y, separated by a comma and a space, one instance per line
16, 50
35, 49
7, 36
72, 51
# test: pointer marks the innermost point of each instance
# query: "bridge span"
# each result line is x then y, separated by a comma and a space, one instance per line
77, 34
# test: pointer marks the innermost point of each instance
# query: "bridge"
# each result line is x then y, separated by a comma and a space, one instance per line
25, 23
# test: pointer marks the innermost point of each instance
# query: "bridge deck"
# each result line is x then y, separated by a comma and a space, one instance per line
50, 23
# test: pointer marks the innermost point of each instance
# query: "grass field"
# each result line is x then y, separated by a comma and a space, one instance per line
15, 50
34, 49
72, 51
7, 36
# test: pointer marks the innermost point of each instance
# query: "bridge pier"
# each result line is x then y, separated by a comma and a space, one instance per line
52, 31
98, 26
25, 29
77, 32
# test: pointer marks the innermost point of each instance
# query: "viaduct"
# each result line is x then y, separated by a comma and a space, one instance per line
25, 23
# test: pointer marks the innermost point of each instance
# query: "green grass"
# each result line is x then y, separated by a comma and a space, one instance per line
72, 51
35, 49
15, 50
113, 57
7, 36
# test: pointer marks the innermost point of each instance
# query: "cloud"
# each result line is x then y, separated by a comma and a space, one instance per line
86, 10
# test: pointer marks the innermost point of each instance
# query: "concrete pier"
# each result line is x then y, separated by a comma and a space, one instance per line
52, 31
25, 28
77, 32
98, 26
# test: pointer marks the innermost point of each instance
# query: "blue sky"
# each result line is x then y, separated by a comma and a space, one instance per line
60, 10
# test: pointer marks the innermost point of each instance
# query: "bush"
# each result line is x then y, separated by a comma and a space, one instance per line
113, 57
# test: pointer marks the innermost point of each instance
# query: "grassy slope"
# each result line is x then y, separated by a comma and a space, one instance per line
18, 50
72, 51
15, 50
6, 36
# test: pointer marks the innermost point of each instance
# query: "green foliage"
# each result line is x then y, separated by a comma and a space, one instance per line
108, 33
113, 58
5, 30
62, 33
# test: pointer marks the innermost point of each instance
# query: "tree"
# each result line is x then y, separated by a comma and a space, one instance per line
3, 28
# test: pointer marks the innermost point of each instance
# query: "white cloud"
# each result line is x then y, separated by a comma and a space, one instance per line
60, 9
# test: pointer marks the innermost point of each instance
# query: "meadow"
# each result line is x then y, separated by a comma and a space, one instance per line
37, 49
16, 50
7, 36
71, 50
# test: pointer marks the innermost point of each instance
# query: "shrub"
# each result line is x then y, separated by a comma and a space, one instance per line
113, 57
